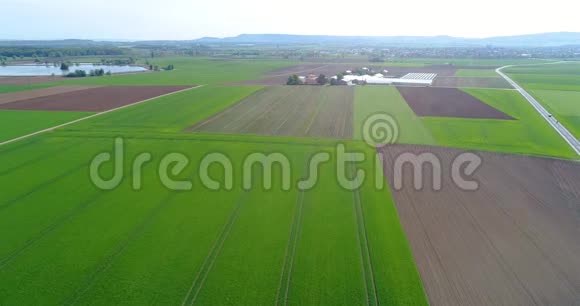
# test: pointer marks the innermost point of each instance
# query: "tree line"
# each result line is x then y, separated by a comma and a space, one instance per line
58, 52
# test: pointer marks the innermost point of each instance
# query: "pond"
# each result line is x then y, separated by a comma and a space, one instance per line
43, 70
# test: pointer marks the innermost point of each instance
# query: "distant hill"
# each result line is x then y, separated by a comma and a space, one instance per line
536, 40
532, 40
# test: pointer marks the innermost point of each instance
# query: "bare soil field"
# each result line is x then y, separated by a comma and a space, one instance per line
288, 111
28, 80
41, 92
451, 81
448, 102
93, 99
513, 241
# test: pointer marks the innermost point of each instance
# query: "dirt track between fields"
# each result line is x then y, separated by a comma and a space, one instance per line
41, 92
448, 102
93, 99
513, 241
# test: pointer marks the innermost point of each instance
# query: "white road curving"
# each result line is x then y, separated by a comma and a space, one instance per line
563, 131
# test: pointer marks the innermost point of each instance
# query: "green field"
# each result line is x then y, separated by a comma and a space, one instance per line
556, 87
565, 68
188, 71
565, 105
63, 241
292, 111
547, 82
18, 123
528, 134
477, 73
388, 100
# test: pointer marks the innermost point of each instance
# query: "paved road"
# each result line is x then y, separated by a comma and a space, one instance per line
570, 139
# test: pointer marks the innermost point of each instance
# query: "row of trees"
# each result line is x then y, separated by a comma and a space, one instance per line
16, 52
92, 73
118, 61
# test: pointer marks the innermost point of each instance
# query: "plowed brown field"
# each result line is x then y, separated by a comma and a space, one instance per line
514, 241
37, 93
448, 102
93, 99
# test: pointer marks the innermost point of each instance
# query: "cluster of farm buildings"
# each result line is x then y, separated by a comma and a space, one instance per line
369, 77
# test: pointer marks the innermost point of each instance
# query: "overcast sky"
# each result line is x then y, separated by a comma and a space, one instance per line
188, 19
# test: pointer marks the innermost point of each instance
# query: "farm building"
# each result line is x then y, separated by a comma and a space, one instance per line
425, 79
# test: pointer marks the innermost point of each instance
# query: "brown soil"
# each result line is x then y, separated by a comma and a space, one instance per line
42, 92
28, 80
94, 99
455, 82
514, 241
447, 102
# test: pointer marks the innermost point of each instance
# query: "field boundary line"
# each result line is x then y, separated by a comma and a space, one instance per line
366, 260
209, 261
548, 117
93, 116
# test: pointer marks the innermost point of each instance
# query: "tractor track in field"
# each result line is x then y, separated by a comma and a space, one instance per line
40, 187
105, 264
209, 261
287, 268
47, 230
366, 260
42, 157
